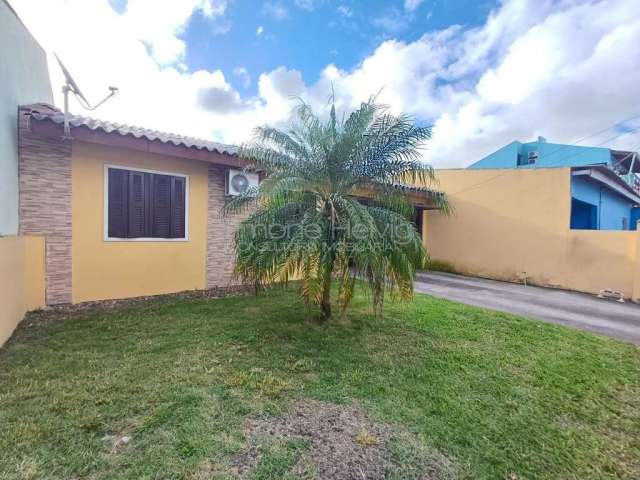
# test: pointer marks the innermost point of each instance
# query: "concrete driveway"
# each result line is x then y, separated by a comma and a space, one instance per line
605, 317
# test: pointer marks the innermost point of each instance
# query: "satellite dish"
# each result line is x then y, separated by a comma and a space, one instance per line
71, 86
71, 83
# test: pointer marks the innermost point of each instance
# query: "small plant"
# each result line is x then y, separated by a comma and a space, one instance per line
237, 379
303, 365
186, 449
92, 423
366, 439
354, 376
279, 460
273, 387
28, 469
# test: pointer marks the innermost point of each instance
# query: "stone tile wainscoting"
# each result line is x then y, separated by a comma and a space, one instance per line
45, 204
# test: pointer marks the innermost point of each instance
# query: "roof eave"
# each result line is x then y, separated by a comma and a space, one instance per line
610, 178
50, 129
419, 197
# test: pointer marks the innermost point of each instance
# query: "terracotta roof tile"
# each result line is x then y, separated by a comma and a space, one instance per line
42, 111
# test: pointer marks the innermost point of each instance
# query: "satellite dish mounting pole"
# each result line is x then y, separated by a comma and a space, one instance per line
67, 129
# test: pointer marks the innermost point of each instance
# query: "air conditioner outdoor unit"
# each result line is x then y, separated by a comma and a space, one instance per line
238, 182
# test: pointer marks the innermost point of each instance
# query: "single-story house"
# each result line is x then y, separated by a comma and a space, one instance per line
126, 211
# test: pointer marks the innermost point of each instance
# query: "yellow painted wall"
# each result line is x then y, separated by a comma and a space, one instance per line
21, 280
597, 259
120, 269
508, 222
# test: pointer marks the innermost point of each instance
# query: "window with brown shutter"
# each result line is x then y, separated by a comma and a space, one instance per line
145, 205
178, 193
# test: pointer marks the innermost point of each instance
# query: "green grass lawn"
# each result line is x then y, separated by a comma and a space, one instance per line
500, 396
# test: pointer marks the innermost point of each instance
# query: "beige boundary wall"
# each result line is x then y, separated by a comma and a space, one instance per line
21, 280
512, 224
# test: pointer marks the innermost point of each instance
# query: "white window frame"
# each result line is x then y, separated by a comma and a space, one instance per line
106, 236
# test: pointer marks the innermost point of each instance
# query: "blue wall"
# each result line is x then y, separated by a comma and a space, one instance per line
506, 157
635, 217
584, 216
549, 155
557, 155
611, 207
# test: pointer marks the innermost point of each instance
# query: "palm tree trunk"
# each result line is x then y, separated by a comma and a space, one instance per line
325, 302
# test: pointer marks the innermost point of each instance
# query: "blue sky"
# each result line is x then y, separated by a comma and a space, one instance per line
307, 35
483, 73
343, 33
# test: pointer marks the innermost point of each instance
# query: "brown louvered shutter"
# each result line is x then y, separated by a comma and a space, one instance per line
178, 187
145, 205
137, 210
117, 203
161, 206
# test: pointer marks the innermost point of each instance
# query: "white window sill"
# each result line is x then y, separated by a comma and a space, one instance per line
145, 239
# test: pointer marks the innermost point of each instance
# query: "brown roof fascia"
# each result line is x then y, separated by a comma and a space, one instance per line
49, 129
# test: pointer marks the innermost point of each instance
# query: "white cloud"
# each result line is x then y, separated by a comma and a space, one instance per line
565, 77
345, 11
221, 99
308, 5
243, 75
392, 21
259, 31
159, 27
411, 5
281, 84
152, 94
535, 67
275, 10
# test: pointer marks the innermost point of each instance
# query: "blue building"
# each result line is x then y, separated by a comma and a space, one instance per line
605, 184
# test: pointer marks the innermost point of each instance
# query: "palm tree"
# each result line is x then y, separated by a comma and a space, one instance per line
329, 206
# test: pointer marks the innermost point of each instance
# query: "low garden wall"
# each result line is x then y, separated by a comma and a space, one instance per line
514, 225
21, 280
598, 259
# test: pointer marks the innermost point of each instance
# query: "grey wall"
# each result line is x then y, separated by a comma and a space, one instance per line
24, 79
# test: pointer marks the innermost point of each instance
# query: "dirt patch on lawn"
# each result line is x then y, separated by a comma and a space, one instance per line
68, 310
324, 441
